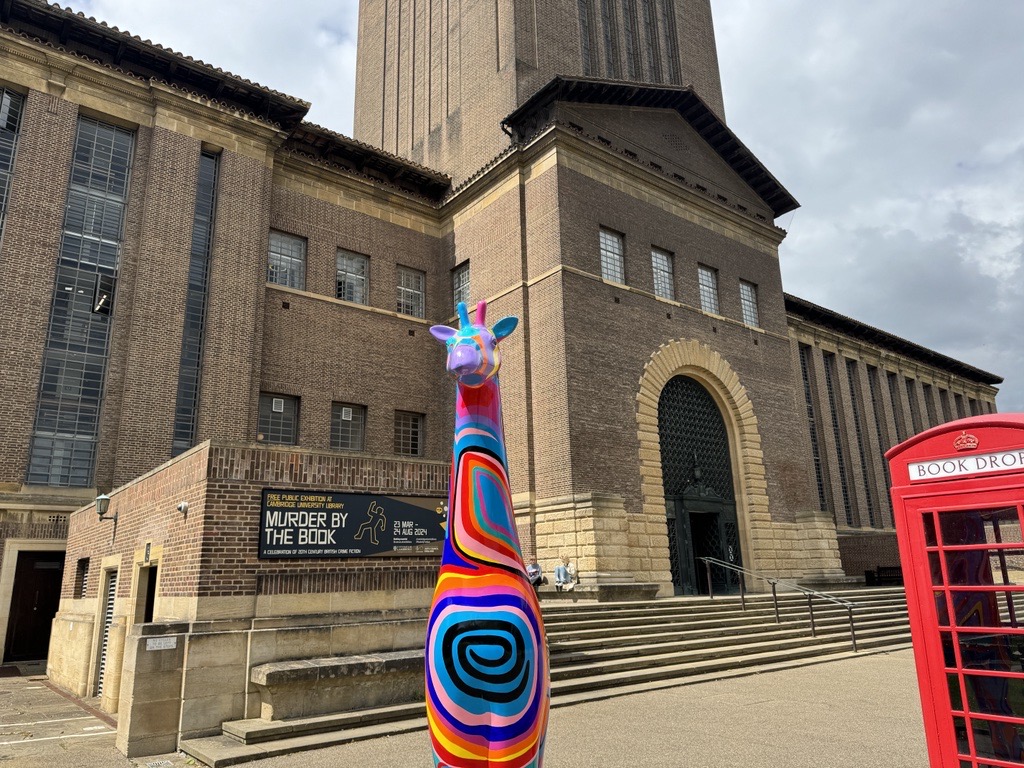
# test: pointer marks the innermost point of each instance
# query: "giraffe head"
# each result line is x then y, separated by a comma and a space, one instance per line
473, 355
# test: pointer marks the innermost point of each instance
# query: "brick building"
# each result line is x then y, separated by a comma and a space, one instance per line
209, 297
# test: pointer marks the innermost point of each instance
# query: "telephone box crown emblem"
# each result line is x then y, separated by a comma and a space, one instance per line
965, 442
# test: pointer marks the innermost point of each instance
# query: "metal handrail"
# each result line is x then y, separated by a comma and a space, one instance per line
774, 582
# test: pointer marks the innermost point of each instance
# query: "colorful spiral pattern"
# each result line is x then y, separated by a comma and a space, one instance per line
487, 678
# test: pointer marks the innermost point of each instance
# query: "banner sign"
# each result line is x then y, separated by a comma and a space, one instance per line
323, 524
958, 466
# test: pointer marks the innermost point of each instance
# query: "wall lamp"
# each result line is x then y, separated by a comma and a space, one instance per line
102, 505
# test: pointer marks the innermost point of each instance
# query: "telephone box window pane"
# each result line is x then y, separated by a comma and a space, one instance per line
994, 652
948, 649
941, 609
983, 609
992, 695
979, 526
983, 567
956, 700
929, 529
936, 568
960, 728
1003, 741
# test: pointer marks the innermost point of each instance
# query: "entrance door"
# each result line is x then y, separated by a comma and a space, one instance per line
697, 476
34, 603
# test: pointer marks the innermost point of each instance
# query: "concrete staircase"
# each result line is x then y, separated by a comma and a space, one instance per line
603, 650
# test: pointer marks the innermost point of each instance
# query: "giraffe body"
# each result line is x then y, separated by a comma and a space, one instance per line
487, 680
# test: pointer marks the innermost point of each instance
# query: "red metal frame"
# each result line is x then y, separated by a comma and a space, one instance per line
961, 539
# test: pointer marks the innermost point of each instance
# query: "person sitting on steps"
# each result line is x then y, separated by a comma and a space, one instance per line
565, 575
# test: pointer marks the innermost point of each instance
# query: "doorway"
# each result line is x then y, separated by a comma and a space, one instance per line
699, 492
34, 602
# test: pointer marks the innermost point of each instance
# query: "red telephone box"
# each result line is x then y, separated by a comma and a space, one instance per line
958, 500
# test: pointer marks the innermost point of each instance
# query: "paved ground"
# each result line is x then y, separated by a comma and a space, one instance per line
859, 713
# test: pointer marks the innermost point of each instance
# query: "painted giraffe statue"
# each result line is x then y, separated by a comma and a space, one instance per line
487, 681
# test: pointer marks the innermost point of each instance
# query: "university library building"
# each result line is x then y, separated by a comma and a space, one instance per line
227, 430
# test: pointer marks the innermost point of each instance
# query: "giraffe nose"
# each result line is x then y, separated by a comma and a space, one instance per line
464, 360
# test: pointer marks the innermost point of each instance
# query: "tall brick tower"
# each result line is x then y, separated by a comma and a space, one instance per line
435, 78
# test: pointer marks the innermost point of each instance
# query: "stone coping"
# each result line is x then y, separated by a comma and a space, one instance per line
312, 670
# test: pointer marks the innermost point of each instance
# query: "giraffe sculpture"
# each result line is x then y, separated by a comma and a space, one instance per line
487, 681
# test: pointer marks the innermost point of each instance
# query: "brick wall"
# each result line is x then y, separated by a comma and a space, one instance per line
866, 551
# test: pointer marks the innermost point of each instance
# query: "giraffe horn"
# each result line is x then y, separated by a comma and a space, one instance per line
463, 315
481, 313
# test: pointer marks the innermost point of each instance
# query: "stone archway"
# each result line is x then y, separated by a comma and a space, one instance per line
698, 361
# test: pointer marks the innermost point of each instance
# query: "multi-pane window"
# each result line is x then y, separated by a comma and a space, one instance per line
915, 410
651, 40
748, 303
824, 499
959, 401
279, 419
947, 412
408, 433
929, 404
611, 49
837, 434
877, 408
585, 32
348, 427
661, 266
667, 12
187, 403
897, 407
460, 284
410, 292
707, 281
286, 264
860, 431
11, 107
613, 249
63, 449
353, 277
631, 36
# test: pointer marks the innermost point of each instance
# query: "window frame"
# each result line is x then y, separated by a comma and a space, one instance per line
269, 397
281, 256
403, 290
668, 273
609, 258
337, 409
417, 434
459, 285
708, 290
346, 275
749, 310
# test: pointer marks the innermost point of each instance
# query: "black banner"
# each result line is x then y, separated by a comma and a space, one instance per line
325, 524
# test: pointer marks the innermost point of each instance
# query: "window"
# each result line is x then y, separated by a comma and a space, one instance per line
460, 284
613, 247
707, 280
287, 261
353, 277
279, 419
748, 303
410, 292
661, 266
11, 106
348, 427
584, 11
81, 578
408, 433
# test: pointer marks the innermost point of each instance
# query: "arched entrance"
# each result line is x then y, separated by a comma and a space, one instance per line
700, 500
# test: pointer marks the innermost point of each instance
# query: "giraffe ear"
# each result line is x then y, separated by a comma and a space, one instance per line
442, 332
504, 327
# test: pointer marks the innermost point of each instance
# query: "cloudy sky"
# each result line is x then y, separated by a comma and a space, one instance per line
899, 127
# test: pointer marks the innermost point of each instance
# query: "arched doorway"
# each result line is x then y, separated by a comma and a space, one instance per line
700, 499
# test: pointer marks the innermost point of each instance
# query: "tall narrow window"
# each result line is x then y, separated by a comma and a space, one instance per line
973, 405
611, 48
661, 266
915, 407
748, 303
585, 35
929, 404
353, 277
186, 407
408, 433
613, 248
63, 449
824, 498
897, 407
667, 14
631, 36
11, 107
286, 263
411, 299
348, 427
959, 401
279, 419
460, 284
707, 281
860, 430
651, 40
875, 388
837, 433
947, 411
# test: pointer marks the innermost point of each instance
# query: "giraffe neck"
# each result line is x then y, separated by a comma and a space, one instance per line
478, 420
